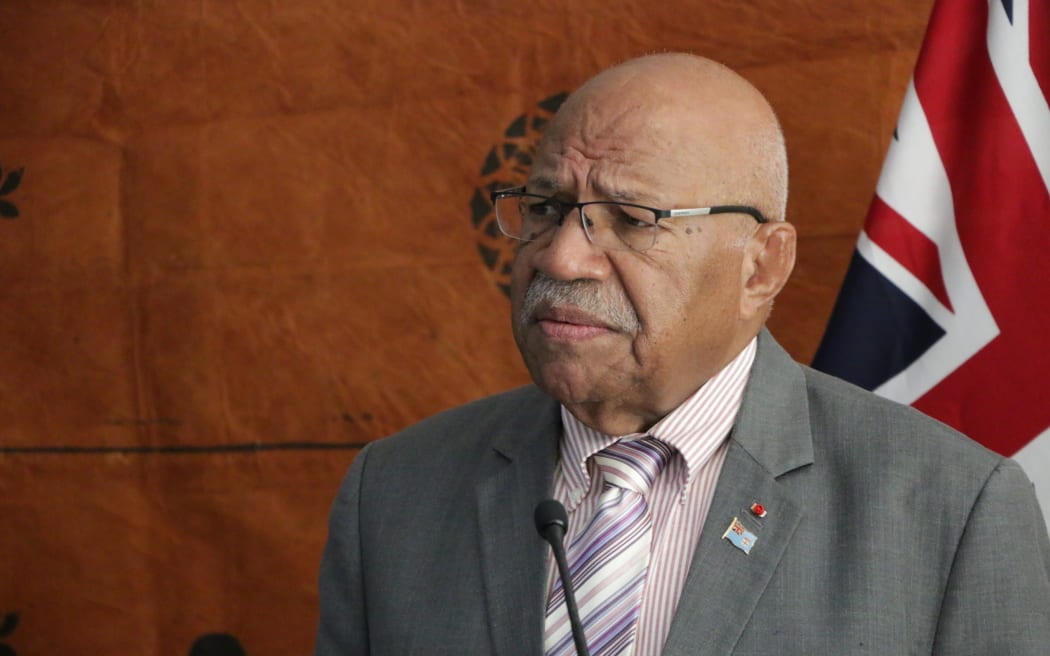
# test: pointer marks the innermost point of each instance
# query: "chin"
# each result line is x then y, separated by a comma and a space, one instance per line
568, 383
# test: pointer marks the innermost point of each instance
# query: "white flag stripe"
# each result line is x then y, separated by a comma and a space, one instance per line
915, 184
913, 180
900, 276
1008, 48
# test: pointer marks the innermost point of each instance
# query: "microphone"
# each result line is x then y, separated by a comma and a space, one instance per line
551, 522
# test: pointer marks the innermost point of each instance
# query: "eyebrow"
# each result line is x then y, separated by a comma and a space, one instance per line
547, 184
551, 185
625, 196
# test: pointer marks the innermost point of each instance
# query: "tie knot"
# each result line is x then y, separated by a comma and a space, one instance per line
633, 465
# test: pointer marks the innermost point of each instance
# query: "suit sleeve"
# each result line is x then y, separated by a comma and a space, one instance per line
997, 599
343, 627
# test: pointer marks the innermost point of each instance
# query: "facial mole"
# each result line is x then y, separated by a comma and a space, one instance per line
688, 231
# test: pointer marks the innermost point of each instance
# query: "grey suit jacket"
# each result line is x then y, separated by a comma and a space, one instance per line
885, 533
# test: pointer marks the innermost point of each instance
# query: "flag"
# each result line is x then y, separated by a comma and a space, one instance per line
946, 302
739, 536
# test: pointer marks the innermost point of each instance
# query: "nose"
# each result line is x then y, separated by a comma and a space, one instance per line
569, 253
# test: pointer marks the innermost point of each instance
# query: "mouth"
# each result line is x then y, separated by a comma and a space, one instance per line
570, 324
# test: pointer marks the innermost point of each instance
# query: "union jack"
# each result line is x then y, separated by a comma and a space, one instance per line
946, 303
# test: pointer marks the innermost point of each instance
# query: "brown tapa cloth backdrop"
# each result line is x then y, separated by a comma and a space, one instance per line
251, 237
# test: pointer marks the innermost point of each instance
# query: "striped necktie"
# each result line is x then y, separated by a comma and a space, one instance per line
609, 559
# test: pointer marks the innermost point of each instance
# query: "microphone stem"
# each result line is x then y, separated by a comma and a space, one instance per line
570, 597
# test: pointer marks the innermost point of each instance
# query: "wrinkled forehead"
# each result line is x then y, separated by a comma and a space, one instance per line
622, 148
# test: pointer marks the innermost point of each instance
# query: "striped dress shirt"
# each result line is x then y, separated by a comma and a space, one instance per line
679, 499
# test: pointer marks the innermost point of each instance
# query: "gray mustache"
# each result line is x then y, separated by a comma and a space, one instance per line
608, 304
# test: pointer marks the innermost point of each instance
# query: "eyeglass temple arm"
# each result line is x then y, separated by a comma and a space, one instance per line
717, 209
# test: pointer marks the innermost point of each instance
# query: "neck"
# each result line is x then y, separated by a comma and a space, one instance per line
614, 421
637, 410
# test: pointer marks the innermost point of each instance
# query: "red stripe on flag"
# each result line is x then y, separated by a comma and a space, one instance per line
1002, 211
913, 250
1039, 42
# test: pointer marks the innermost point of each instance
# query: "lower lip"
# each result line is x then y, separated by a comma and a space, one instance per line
570, 331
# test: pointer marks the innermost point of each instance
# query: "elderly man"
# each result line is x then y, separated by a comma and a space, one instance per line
721, 498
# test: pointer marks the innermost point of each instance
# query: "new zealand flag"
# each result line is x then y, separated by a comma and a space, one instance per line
946, 303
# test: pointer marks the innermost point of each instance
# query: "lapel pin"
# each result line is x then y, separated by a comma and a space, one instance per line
740, 537
758, 510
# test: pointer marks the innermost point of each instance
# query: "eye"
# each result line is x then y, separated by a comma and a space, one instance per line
541, 210
633, 217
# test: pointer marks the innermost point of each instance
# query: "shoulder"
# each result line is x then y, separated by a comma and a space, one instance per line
893, 455
793, 415
858, 417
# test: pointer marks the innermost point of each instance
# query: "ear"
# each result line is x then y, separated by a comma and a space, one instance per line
770, 258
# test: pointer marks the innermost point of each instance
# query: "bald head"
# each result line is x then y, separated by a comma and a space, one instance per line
658, 133
721, 132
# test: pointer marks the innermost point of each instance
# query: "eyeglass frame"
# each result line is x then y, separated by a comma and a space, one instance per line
658, 213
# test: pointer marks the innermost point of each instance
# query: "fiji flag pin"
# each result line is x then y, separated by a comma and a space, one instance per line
740, 537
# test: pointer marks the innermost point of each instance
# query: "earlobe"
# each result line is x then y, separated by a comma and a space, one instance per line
770, 260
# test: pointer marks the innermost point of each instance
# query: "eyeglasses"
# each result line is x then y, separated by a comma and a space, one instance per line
612, 226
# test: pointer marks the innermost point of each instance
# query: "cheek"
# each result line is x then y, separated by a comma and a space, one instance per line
520, 277
692, 307
663, 297
664, 318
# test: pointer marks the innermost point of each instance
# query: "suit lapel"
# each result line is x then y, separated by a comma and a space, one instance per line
724, 583
771, 438
515, 476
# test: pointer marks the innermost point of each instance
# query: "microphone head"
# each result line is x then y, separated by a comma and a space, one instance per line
550, 515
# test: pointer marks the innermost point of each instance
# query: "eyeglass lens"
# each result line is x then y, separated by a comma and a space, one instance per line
608, 225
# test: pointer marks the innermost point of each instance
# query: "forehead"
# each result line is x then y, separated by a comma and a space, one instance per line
615, 149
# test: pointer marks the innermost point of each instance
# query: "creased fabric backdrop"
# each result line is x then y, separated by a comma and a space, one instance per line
251, 236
